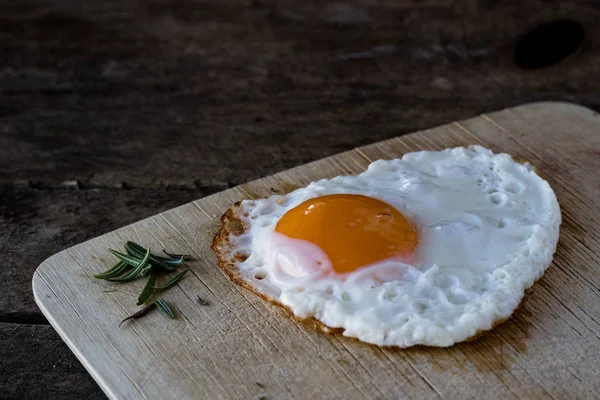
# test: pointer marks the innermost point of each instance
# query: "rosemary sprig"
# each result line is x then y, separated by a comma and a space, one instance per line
139, 261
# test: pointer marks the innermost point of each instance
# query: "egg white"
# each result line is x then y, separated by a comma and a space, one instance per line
487, 225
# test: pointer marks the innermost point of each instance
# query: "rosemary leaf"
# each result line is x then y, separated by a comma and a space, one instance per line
149, 267
173, 260
163, 265
135, 272
173, 281
140, 313
148, 290
131, 260
164, 307
135, 250
114, 271
180, 256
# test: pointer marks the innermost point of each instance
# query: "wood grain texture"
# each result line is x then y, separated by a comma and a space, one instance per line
225, 91
242, 347
32, 358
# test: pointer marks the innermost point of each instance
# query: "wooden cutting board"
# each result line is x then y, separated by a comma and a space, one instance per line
241, 347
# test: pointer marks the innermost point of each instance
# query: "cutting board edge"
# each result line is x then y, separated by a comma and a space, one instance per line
37, 282
575, 106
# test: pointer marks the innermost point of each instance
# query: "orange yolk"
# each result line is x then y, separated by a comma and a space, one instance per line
353, 230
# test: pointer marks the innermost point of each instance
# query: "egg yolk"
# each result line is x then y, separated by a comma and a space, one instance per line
353, 230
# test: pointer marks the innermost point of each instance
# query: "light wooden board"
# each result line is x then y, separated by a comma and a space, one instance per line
241, 347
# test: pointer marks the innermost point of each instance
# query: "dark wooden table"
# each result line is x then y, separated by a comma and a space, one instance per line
111, 111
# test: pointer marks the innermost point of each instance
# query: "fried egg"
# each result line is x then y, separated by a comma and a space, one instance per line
430, 249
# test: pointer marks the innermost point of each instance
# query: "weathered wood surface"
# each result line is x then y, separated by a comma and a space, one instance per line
548, 349
196, 96
33, 357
